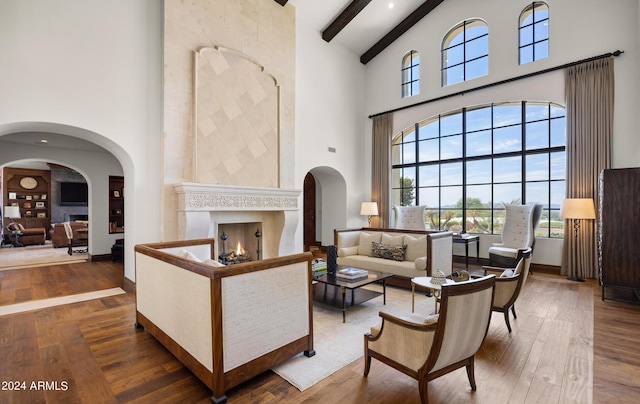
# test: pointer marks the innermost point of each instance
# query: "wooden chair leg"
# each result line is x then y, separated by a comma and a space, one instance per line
506, 319
367, 363
471, 374
513, 310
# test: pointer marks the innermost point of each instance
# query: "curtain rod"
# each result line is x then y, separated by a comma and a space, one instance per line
525, 76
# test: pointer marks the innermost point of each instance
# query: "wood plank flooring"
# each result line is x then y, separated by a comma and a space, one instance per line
566, 346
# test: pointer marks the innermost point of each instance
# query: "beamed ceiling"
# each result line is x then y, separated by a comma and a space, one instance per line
366, 27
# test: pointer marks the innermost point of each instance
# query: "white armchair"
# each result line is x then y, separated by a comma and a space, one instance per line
427, 348
518, 235
409, 217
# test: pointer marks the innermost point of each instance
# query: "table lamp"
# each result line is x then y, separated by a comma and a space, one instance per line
12, 212
577, 209
369, 209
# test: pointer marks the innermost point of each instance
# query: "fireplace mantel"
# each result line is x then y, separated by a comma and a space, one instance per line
201, 207
207, 197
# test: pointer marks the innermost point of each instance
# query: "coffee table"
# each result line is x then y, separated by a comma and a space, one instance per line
335, 290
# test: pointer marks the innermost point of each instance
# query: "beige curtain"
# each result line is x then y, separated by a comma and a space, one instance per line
589, 91
380, 166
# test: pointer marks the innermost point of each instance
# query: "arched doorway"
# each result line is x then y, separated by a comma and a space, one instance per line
328, 209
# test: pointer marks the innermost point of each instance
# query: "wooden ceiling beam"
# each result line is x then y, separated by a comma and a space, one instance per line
344, 18
282, 2
400, 29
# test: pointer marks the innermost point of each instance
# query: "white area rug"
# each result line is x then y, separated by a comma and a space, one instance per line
337, 344
58, 301
37, 255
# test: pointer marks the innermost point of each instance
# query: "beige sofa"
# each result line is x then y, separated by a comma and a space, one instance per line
226, 324
425, 252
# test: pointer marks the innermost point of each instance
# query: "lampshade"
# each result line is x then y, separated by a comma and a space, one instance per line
577, 208
369, 209
12, 212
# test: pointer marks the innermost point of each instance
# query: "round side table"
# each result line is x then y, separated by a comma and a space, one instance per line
425, 281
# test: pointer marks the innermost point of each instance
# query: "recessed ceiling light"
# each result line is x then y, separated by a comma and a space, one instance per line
390, 5
44, 141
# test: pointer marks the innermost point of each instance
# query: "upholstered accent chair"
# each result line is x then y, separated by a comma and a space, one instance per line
429, 347
518, 235
409, 217
76, 239
509, 283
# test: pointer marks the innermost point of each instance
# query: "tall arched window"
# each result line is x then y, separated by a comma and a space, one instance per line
465, 52
411, 74
534, 32
464, 164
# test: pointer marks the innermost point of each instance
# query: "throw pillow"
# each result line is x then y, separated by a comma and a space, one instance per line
213, 263
186, 254
507, 273
346, 251
432, 319
416, 247
364, 248
388, 252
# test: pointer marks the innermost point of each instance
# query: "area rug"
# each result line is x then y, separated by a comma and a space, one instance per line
37, 255
337, 344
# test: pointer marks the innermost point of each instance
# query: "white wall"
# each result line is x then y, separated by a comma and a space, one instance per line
330, 90
95, 167
95, 67
578, 29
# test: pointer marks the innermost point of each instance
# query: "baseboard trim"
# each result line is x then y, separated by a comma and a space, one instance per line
129, 286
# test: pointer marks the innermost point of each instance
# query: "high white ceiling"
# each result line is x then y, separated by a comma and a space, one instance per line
365, 30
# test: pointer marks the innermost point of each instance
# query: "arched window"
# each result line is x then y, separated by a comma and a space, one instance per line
534, 32
464, 164
465, 52
411, 74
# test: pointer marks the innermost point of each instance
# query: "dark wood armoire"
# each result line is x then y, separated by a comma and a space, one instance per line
618, 242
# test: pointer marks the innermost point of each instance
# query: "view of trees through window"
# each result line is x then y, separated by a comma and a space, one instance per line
466, 164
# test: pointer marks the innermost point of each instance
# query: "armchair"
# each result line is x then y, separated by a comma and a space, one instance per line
79, 238
509, 282
427, 348
518, 235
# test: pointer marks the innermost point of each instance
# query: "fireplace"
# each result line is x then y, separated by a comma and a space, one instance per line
239, 242
205, 211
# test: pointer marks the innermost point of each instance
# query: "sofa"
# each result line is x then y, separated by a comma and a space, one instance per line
404, 253
29, 236
226, 324
59, 236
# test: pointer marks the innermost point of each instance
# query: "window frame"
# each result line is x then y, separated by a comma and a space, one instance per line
449, 38
551, 147
407, 87
521, 26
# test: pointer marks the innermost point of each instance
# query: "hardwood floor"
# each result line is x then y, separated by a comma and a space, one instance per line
91, 352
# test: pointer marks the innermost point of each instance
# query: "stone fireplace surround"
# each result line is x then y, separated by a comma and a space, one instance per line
203, 207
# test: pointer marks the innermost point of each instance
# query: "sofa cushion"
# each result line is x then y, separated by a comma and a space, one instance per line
348, 239
406, 269
388, 251
421, 263
416, 247
346, 251
391, 239
366, 240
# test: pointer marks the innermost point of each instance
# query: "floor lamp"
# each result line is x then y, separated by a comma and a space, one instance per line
576, 209
369, 209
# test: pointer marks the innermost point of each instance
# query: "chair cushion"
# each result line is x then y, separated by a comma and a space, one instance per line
366, 240
516, 230
504, 251
388, 252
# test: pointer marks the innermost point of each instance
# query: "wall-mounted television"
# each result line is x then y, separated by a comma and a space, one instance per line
74, 194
